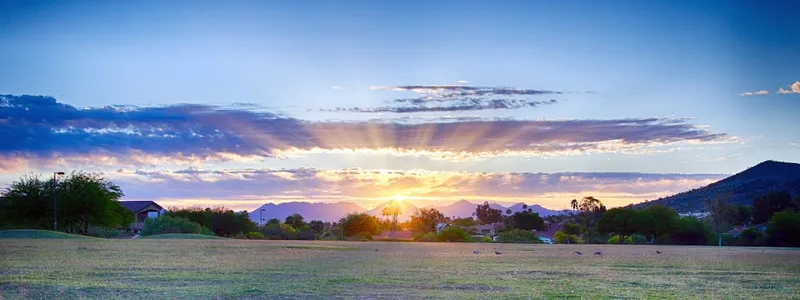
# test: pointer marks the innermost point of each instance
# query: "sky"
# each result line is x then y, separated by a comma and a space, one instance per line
244, 102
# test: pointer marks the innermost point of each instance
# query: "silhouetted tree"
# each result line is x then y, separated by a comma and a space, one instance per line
589, 210
425, 220
765, 206
721, 212
488, 215
295, 220
527, 221
783, 229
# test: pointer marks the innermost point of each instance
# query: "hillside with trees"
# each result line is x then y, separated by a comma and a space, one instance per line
742, 188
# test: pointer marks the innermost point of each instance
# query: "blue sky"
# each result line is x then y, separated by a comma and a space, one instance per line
613, 61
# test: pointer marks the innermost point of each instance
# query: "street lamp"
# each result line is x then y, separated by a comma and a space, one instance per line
55, 213
261, 216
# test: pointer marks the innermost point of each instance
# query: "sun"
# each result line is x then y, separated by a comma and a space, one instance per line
399, 198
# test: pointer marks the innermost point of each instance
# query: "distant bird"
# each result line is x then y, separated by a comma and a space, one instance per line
475, 251
658, 252
497, 252
376, 249
578, 253
598, 253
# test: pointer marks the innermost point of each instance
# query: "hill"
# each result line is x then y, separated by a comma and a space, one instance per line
742, 188
38, 234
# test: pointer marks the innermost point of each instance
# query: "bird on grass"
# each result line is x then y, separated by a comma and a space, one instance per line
598, 253
658, 252
376, 249
475, 251
497, 252
578, 253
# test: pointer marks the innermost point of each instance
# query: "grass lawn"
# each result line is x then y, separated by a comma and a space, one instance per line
227, 268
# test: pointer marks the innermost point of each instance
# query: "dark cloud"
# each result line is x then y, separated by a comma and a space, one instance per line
449, 98
460, 105
38, 127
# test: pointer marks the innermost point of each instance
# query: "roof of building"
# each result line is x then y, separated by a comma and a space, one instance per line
488, 226
136, 206
550, 231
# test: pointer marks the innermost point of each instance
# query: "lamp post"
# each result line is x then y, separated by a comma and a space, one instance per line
55, 211
261, 217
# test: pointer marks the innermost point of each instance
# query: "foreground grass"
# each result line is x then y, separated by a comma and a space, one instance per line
200, 269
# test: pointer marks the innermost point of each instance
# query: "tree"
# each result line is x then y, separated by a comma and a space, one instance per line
273, 221
169, 224
662, 220
589, 209
765, 206
571, 228
783, 229
452, 234
355, 224
561, 237
688, 231
83, 200
620, 220
488, 215
464, 222
743, 215
316, 226
720, 214
295, 220
425, 220
223, 221
527, 221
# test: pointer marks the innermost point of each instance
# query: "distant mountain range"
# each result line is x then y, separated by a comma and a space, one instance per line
742, 188
331, 212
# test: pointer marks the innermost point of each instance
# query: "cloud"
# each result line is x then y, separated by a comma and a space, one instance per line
40, 129
337, 87
793, 89
449, 98
462, 81
463, 105
377, 185
761, 92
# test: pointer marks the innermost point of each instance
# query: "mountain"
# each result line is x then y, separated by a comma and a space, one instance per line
332, 212
406, 210
328, 212
742, 188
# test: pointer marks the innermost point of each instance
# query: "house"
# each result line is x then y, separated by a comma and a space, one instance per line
488, 229
142, 210
546, 236
441, 226
738, 229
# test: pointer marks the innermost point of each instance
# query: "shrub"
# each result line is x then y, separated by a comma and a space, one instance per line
783, 229
638, 239
452, 234
355, 224
426, 237
518, 236
615, 240
167, 224
102, 232
255, 235
278, 232
479, 239
560, 237
751, 237
361, 237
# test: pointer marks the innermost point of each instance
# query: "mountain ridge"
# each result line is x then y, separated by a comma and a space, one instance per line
741, 188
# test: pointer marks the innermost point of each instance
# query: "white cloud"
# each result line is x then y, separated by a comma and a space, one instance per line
793, 89
337, 87
462, 81
761, 92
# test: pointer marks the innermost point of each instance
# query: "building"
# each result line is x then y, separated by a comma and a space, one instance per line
547, 235
142, 210
489, 229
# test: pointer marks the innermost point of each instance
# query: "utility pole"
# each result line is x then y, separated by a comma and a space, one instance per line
55, 203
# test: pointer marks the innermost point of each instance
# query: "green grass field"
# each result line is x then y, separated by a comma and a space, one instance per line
227, 268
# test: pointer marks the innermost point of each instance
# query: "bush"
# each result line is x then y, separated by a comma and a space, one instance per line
560, 237
355, 224
426, 237
751, 237
360, 237
518, 236
783, 229
481, 239
167, 224
102, 232
615, 240
255, 235
452, 234
278, 232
